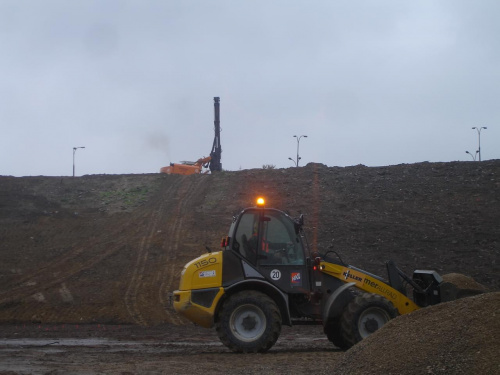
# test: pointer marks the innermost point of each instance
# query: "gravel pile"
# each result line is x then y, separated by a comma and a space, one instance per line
457, 337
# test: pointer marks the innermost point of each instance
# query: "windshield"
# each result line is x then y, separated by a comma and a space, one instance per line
268, 237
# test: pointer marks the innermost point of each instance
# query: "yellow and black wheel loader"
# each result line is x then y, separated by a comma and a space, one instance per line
265, 277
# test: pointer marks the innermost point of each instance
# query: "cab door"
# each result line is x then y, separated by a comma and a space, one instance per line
281, 256
268, 239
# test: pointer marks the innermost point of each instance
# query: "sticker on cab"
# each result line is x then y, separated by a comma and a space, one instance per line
296, 279
275, 274
207, 273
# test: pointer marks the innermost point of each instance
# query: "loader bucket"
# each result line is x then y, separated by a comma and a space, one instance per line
456, 285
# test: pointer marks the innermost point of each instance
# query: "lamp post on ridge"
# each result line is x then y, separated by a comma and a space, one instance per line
74, 151
298, 157
479, 138
472, 156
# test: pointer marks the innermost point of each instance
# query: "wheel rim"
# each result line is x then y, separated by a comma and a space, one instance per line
371, 320
248, 323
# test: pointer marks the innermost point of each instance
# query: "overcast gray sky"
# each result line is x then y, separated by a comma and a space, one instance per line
373, 82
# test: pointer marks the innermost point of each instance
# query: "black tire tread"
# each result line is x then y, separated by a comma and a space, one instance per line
334, 335
348, 322
271, 334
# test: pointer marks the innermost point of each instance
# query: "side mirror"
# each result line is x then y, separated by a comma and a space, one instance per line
298, 223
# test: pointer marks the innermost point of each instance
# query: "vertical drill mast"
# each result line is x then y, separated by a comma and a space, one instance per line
215, 163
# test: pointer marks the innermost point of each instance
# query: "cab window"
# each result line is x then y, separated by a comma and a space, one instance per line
268, 237
279, 242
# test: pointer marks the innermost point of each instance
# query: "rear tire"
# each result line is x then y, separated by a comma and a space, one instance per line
364, 315
249, 322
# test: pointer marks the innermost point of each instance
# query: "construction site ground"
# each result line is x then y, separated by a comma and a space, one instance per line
88, 264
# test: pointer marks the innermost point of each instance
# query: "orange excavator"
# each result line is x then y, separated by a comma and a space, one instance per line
212, 163
187, 167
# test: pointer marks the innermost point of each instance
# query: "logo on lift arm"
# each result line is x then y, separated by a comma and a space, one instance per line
348, 275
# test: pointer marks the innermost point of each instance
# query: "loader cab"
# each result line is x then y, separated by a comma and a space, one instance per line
271, 242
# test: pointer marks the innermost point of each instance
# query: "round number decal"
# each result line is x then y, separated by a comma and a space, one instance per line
275, 274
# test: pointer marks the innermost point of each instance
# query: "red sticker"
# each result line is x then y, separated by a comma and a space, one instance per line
296, 278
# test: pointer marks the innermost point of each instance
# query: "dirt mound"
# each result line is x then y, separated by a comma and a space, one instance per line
455, 337
109, 248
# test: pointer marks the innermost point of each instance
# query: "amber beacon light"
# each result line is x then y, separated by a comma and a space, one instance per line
260, 202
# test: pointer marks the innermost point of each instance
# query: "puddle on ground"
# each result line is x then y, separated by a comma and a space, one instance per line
91, 342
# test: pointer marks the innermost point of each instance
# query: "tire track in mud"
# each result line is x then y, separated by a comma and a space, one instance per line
130, 297
56, 272
167, 273
57, 264
71, 263
166, 279
162, 269
134, 286
61, 269
169, 269
171, 244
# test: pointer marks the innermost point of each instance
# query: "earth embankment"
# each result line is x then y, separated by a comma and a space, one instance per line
109, 248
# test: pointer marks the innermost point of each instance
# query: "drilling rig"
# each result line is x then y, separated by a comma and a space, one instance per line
212, 162
215, 165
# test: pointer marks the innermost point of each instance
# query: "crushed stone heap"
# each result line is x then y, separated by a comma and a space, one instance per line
457, 337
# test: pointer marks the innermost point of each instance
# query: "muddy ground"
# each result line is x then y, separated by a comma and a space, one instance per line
168, 349
105, 251
452, 338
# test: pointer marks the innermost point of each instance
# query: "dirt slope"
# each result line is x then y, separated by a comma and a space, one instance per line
109, 248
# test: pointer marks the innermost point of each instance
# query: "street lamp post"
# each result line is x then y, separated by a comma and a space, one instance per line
298, 142
472, 156
479, 139
74, 151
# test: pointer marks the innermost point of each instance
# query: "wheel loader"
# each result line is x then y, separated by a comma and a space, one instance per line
266, 276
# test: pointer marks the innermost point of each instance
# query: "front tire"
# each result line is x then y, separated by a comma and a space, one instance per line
249, 322
364, 315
